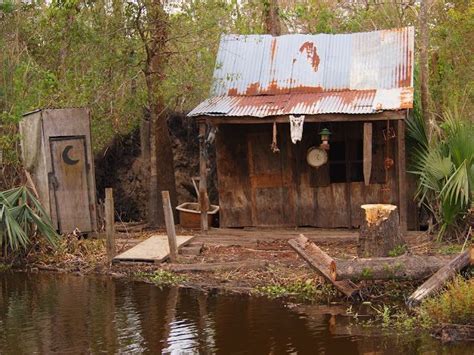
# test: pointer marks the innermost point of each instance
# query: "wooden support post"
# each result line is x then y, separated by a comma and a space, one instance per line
170, 229
348, 189
110, 223
203, 198
402, 177
367, 152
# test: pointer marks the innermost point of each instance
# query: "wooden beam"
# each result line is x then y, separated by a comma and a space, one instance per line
170, 229
323, 264
109, 223
203, 197
402, 178
382, 116
439, 279
367, 152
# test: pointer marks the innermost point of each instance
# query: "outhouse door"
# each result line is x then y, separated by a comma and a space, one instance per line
271, 183
69, 180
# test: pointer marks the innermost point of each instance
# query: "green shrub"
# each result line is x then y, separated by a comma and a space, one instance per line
398, 250
305, 290
453, 306
162, 278
450, 249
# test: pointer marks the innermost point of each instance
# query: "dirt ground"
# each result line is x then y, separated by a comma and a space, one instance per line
254, 260
262, 260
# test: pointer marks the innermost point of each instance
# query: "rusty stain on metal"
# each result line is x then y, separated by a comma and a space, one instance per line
311, 53
273, 49
358, 73
406, 98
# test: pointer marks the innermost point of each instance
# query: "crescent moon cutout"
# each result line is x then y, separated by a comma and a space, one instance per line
66, 157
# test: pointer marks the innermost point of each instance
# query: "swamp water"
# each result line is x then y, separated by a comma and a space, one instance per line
65, 314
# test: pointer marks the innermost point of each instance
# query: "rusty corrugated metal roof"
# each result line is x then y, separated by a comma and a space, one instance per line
261, 75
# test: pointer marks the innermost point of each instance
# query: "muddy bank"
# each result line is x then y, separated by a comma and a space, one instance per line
253, 266
268, 266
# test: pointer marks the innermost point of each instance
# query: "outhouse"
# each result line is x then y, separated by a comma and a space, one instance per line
57, 152
309, 127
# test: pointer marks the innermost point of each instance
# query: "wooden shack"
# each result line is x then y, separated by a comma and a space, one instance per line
358, 86
57, 151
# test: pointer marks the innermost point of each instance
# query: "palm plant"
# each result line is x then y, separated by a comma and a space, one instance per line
444, 165
21, 217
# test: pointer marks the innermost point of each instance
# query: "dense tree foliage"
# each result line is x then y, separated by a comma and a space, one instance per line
92, 53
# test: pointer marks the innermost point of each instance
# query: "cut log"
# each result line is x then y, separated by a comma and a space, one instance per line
439, 279
405, 267
322, 263
315, 256
379, 232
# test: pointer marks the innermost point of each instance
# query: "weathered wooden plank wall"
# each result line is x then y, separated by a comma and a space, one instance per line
67, 190
260, 188
233, 176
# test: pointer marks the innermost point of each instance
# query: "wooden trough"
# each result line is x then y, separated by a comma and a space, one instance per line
190, 214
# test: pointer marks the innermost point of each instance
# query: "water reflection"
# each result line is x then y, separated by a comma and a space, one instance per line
64, 314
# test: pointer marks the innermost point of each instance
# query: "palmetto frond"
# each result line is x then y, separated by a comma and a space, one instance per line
444, 167
21, 214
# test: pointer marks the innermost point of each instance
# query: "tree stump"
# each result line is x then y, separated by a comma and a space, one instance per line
380, 231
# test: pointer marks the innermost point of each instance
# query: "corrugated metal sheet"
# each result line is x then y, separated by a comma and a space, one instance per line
261, 75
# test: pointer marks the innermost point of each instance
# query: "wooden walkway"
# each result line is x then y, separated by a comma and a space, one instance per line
152, 250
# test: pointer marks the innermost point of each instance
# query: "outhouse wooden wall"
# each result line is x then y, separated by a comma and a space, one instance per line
57, 151
260, 188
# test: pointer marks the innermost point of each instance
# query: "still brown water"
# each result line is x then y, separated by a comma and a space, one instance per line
64, 314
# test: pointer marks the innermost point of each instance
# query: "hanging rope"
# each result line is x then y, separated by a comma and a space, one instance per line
274, 145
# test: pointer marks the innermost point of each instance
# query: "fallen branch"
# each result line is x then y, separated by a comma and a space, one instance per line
404, 267
439, 279
322, 263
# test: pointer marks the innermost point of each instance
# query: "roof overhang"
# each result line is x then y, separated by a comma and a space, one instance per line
329, 117
346, 102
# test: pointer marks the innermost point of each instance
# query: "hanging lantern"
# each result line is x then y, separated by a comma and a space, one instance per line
325, 133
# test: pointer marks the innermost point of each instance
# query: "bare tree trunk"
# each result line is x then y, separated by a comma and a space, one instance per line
424, 67
161, 153
272, 19
145, 139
